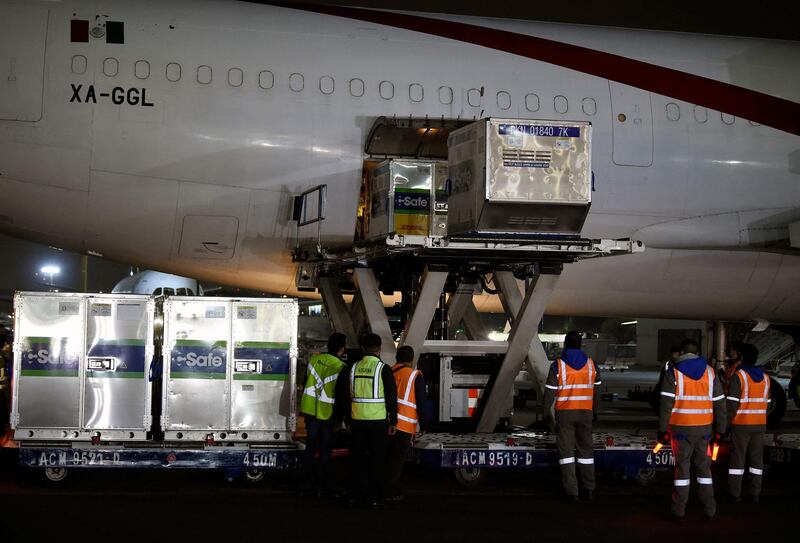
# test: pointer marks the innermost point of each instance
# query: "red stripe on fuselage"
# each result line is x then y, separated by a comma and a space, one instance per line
725, 97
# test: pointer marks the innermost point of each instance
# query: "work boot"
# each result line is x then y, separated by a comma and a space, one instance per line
588, 495
734, 499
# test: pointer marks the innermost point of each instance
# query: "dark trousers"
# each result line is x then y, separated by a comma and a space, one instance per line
399, 444
691, 454
747, 448
318, 441
368, 459
574, 441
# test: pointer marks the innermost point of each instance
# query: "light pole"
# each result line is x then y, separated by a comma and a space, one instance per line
50, 271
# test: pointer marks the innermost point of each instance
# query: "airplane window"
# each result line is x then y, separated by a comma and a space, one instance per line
158, 292
110, 67
326, 84
297, 82
560, 104
700, 114
727, 119
173, 72
141, 69
673, 111
169, 291
446, 95
356, 88
532, 102
386, 90
235, 77
503, 100
474, 97
79, 64
266, 79
416, 92
589, 106
204, 74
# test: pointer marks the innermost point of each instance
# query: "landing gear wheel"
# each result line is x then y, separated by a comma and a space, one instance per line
777, 407
55, 475
254, 475
469, 477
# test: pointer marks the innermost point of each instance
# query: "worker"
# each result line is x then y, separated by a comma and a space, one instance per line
372, 396
748, 399
692, 407
411, 399
319, 409
732, 365
572, 385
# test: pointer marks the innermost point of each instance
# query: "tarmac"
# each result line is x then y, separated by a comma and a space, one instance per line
166, 505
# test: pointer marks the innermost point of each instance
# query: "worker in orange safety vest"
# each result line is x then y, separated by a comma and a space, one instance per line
691, 419
411, 397
748, 400
572, 386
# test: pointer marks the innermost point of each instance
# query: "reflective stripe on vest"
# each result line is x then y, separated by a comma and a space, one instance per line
753, 402
405, 378
575, 387
694, 404
320, 388
366, 390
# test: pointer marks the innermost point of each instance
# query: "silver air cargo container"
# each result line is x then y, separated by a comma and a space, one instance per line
519, 176
81, 366
229, 368
407, 197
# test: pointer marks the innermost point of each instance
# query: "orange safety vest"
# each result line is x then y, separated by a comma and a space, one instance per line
575, 387
694, 400
404, 378
753, 402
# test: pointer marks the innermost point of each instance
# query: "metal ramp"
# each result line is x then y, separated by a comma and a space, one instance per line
439, 276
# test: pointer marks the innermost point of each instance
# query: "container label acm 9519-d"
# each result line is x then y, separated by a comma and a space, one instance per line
46, 459
489, 459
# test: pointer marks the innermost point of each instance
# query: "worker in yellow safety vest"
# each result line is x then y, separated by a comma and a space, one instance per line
572, 384
411, 397
373, 417
319, 409
748, 400
691, 420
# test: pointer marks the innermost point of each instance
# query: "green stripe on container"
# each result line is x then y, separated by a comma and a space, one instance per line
262, 345
115, 375
50, 373
200, 343
195, 375
105, 342
33, 339
260, 377
411, 211
413, 191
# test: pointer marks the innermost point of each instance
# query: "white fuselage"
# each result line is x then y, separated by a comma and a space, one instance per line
252, 104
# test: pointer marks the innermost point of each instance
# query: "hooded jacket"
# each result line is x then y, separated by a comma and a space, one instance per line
735, 394
693, 367
576, 359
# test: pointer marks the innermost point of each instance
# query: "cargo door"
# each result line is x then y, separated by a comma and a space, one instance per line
264, 337
632, 125
196, 366
117, 341
23, 34
51, 341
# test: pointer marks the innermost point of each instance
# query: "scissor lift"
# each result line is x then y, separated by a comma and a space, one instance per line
444, 273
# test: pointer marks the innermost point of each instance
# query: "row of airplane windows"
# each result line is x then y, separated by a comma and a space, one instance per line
386, 89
